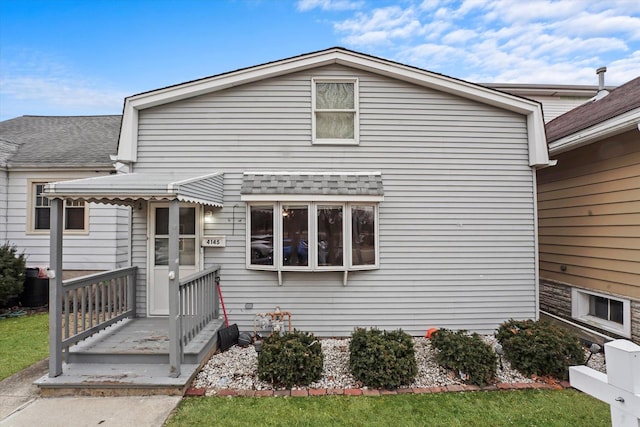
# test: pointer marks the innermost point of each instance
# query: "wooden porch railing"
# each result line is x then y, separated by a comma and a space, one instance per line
199, 303
92, 303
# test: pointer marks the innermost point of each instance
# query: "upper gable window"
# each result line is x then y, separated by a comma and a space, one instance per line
335, 111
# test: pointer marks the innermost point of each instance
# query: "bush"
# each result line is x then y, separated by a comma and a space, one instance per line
382, 359
540, 348
12, 268
466, 354
291, 359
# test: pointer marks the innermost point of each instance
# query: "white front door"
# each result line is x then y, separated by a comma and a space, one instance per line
159, 253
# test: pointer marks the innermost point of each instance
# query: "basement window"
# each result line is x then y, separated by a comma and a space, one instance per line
603, 311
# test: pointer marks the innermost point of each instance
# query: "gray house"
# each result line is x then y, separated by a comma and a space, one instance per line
348, 190
36, 150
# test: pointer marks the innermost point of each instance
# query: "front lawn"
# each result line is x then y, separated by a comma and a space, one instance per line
23, 341
495, 408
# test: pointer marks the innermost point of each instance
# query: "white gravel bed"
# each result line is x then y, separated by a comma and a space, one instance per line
236, 368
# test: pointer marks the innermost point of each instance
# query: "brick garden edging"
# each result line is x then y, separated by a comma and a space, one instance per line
192, 392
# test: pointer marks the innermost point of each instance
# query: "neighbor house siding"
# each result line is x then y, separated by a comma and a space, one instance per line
97, 250
589, 210
554, 106
457, 224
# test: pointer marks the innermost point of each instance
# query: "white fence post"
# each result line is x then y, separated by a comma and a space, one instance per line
619, 387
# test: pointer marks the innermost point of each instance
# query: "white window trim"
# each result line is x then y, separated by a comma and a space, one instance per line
312, 227
356, 111
31, 221
580, 311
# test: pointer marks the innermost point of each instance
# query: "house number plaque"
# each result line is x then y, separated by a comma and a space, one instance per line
214, 242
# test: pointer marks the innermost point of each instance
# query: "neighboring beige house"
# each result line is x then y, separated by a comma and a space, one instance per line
36, 150
589, 215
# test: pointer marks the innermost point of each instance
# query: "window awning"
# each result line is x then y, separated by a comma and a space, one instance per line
125, 189
312, 186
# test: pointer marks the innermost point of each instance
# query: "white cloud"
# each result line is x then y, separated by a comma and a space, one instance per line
459, 36
38, 77
537, 41
380, 26
305, 5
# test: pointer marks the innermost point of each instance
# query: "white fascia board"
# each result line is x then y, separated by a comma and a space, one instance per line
310, 198
128, 138
616, 125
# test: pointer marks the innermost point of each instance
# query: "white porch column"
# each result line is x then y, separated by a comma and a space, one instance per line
55, 288
175, 344
619, 387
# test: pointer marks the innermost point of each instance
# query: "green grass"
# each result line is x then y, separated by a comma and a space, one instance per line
23, 341
495, 408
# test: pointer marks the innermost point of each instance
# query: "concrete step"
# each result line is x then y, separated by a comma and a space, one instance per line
100, 379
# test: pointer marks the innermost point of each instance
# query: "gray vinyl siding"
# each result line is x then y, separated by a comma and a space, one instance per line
554, 106
139, 255
456, 227
104, 247
4, 183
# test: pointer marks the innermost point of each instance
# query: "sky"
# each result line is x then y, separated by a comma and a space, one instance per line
83, 57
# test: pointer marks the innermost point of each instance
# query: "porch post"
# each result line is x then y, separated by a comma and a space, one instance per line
175, 353
55, 289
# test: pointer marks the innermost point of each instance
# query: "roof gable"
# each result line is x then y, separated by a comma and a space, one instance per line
127, 148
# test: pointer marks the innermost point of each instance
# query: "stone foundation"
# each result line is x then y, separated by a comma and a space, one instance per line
555, 298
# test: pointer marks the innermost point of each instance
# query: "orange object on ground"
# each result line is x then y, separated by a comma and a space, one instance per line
430, 332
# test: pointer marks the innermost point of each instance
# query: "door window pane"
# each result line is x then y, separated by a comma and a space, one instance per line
161, 251
330, 236
162, 221
363, 238
295, 235
261, 218
187, 251
187, 221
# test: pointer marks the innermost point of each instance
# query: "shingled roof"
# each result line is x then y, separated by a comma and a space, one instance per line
620, 100
73, 141
334, 184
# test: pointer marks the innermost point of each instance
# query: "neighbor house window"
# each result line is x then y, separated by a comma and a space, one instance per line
603, 311
335, 111
74, 215
313, 236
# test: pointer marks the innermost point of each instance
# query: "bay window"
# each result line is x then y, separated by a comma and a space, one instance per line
312, 236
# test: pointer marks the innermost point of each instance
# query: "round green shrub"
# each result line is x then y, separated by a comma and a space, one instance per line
465, 354
540, 348
12, 268
292, 359
382, 359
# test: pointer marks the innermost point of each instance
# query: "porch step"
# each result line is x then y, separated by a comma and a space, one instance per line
141, 341
100, 379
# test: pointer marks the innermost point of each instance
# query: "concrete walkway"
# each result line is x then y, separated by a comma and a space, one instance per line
21, 405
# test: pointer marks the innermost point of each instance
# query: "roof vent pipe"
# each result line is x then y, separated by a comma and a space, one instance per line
600, 72
602, 92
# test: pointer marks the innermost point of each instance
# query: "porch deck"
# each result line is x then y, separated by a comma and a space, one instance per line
130, 357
